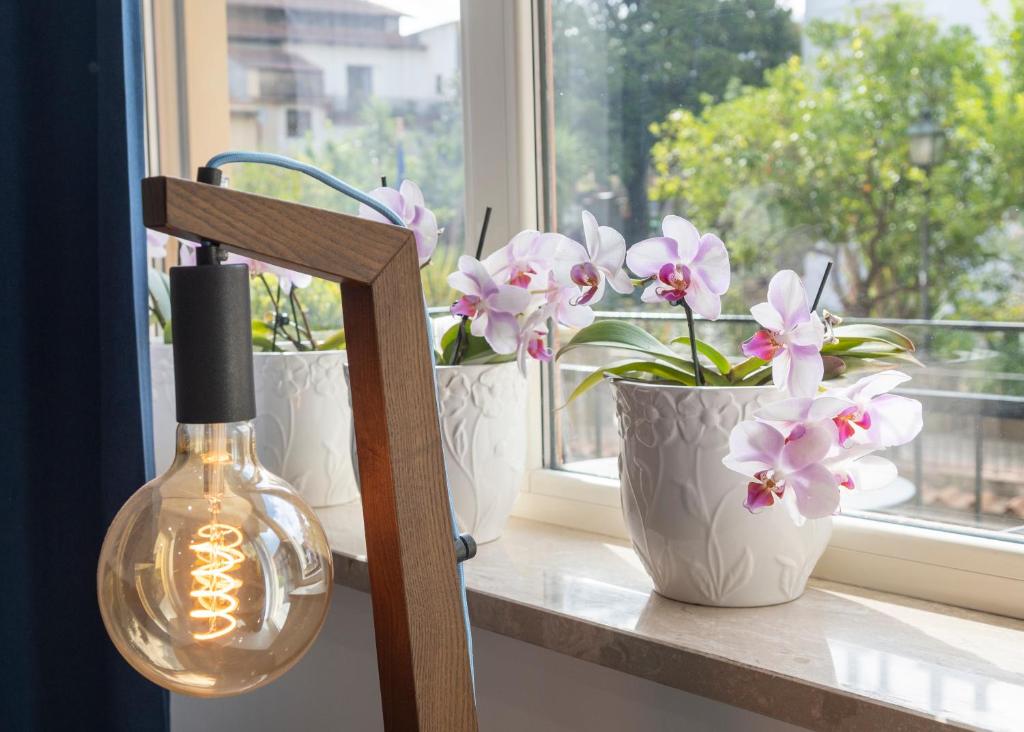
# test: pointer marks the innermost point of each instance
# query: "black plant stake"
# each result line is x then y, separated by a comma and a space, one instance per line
460, 337
821, 287
384, 181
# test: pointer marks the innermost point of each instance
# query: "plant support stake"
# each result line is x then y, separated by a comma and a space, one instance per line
460, 335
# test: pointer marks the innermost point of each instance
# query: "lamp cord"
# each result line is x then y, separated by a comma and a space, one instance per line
337, 184
312, 171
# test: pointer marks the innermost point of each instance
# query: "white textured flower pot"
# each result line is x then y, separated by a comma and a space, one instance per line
304, 423
483, 432
684, 509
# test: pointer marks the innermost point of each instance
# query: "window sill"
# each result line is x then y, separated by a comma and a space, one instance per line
839, 657
942, 566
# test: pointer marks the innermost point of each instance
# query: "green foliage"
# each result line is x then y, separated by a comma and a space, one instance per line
475, 350
620, 65
851, 346
817, 160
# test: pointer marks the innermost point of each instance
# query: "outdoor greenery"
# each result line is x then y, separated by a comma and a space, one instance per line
816, 159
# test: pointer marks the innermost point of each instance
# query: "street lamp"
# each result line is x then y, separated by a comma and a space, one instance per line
927, 141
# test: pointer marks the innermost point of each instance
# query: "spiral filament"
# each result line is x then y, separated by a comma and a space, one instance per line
214, 588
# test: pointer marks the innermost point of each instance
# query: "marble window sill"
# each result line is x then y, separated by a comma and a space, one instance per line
840, 657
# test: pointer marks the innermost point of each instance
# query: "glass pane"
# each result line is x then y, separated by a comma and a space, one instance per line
362, 90
885, 138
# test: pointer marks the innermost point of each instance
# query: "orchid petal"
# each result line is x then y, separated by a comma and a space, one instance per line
755, 446
806, 370
872, 473
809, 333
591, 234
781, 366
612, 252
811, 446
816, 490
712, 262
786, 294
895, 420
509, 299
759, 497
411, 193
647, 257
768, 317
794, 409
650, 293
702, 300
686, 236
389, 197
620, 282
761, 345
502, 332
873, 385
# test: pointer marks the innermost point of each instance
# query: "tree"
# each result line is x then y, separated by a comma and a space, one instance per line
817, 160
621, 65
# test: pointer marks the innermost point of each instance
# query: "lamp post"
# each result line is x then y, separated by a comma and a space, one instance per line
927, 140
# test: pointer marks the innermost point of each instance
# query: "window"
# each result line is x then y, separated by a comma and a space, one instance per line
299, 122
882, 137
360, 86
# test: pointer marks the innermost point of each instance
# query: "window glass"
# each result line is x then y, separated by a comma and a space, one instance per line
885, 138
361, 89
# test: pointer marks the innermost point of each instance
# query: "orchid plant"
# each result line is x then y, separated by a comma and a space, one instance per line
510, 299
800, 451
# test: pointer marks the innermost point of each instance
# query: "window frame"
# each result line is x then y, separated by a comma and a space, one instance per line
928, 563
506, 99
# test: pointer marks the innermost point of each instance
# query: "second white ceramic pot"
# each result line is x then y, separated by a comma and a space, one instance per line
483, 432
684, 509
304, 423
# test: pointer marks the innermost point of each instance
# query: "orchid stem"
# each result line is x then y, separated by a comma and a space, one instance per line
305, 321
273, 334
821, 287
697, 375
460, 336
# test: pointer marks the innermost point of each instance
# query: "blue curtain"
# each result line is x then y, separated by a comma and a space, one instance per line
74, 408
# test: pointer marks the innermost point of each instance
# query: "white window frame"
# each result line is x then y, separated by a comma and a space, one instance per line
501, 67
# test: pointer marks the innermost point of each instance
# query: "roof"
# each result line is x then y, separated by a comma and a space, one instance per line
268, 57
359, 7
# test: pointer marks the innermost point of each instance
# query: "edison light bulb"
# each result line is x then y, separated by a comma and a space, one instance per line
215, 577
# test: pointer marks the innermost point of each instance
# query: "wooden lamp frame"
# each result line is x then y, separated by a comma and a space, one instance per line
422, 649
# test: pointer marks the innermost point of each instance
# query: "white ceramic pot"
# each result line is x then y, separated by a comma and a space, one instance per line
483, 432
304, 423
684, 509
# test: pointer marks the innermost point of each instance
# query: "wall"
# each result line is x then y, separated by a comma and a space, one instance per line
520, 687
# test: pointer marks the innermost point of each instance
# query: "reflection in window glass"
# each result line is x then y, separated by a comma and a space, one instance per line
362, 89
883, 137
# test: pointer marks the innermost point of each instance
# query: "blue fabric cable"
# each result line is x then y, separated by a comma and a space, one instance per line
339, 185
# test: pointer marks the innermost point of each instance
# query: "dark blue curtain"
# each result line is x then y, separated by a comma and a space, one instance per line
74, 409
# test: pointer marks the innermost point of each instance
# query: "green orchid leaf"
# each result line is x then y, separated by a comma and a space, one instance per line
708, 351
627, 369
618, 334
333, 342
262, 343
875, 333
743, 369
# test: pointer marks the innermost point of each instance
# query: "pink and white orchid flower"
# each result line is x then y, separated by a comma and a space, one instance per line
561, 301
492, 307
408, 203
792, 462
533, 340
528, 253
791, 336
685, 266
590, 267
875, 417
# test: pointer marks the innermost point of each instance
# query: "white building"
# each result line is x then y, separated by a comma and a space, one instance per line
298, 67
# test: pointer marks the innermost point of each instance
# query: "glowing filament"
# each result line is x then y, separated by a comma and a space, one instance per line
214, 588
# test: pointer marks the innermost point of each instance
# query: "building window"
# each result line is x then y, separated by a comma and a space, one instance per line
360, 86
299, 122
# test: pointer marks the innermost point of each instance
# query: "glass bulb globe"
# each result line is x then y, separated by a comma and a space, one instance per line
215, 577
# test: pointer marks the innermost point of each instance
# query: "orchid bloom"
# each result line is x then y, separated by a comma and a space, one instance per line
492, 307
792, 462
599, 262
875, 417
408, 203
533, 340
561, 301
791, 336
685, 266
527, 254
